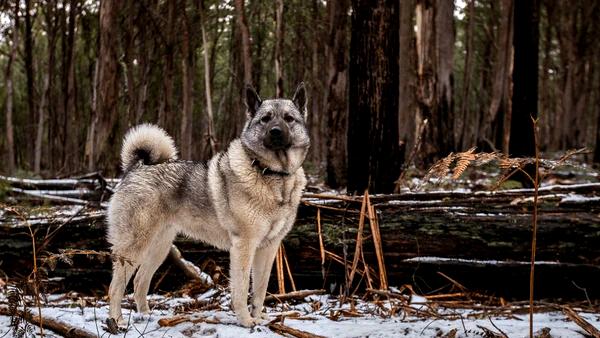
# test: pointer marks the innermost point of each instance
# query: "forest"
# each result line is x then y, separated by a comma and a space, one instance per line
78, 74
454, 155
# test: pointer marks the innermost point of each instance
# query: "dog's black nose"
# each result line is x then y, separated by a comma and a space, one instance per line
275, 132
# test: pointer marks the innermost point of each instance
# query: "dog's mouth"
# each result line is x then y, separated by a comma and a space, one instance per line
276, 144
277, 139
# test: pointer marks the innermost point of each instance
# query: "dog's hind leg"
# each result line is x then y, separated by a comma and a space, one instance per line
241, 257
122, 272
261, 271
153, 258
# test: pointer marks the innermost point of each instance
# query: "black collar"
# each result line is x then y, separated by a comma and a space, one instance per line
266, 171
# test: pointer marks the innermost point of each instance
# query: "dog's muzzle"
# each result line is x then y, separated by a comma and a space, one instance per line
277, 138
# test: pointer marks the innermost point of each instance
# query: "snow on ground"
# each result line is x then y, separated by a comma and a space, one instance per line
321, 315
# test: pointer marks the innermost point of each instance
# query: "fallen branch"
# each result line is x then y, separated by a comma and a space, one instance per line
293, 295
36, 194
189, 269
584, 324
169, 322
388, 294
59, 327
282, 329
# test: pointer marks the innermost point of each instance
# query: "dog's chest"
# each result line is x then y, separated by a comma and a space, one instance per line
278, 224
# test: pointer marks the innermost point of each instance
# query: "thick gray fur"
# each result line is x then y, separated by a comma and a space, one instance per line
230, 202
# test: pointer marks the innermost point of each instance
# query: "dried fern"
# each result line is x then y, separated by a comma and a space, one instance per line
19, 325
66, 256
458, 163
463, 161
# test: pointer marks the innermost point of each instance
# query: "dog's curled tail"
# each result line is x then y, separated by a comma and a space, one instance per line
147, 143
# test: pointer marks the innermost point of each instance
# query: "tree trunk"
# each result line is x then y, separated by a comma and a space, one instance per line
245, 35
128, 41
444, 45
29, 71
187, 88
44, 111
337, 91
10, 134
373, 151
461, 125
435, 48
107, 108
166, 110
317, 117
208, 85
407, 115
500, 105
70, 159
525, 77
279, 31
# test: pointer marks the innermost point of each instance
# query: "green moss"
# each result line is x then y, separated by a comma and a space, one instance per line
511, 184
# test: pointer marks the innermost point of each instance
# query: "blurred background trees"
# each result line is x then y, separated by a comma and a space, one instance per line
382, 75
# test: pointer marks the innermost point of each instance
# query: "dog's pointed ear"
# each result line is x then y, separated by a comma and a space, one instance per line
252, 100
300, 99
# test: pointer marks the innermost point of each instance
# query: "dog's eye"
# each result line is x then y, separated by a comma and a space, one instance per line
288, 118
265, 119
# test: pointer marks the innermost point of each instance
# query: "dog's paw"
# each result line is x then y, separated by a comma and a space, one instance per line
249, 321
260, 316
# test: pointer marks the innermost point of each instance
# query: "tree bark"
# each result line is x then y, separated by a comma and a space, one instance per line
187, 83
44, 111
337, 91
208, 85
525, 77
279, 34
245, 35
435, 48
29, 72
70, 160
317, 116
107, 108
166, 110
461, 125
373, 151
494, 120
10, 134
407, 115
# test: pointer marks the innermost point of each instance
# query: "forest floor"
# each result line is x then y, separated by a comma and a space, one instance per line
209, 315
396, 312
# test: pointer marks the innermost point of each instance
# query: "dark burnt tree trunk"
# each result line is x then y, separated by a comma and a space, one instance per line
166, 110
525, 77
407, 78
279, 31
373, 151
187, 86
337, 82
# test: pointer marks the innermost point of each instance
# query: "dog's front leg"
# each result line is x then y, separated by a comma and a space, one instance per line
261, 271
241, 258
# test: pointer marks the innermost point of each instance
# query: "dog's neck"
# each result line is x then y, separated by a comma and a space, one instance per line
266, 171
263, 169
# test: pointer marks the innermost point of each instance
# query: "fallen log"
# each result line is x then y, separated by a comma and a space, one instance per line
62, 328
301, 294
461, 227
283, 330
584, 324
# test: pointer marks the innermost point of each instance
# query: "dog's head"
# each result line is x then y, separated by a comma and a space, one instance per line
275, 131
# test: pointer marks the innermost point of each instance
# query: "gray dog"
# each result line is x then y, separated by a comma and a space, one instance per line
244, 200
